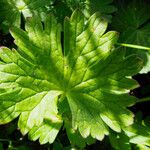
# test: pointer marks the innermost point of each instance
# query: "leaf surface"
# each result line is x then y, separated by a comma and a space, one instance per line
86, 81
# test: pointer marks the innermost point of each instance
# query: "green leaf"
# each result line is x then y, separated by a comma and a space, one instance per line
134, 134
29, 84
61, 9
138, 134
132, 21
119, 141
88, 7
104, 7
142, 147
86, 82
11, 14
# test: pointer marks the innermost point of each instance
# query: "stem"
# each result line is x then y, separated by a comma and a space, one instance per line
143, 99
134, 46
4, 140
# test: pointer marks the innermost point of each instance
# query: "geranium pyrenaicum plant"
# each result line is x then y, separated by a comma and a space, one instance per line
82, 84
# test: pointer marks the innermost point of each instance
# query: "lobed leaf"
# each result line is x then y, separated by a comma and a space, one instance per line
85, 81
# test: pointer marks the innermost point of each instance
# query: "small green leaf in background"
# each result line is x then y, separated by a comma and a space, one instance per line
137, 134
105, 7
132, 20
11, 10
41, 81
119, 141
88, 7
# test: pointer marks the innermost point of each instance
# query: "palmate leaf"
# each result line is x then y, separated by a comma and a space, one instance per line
132, 21
86, 81
11, 11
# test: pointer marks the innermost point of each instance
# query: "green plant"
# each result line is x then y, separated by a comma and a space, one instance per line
74, 77
40, 79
